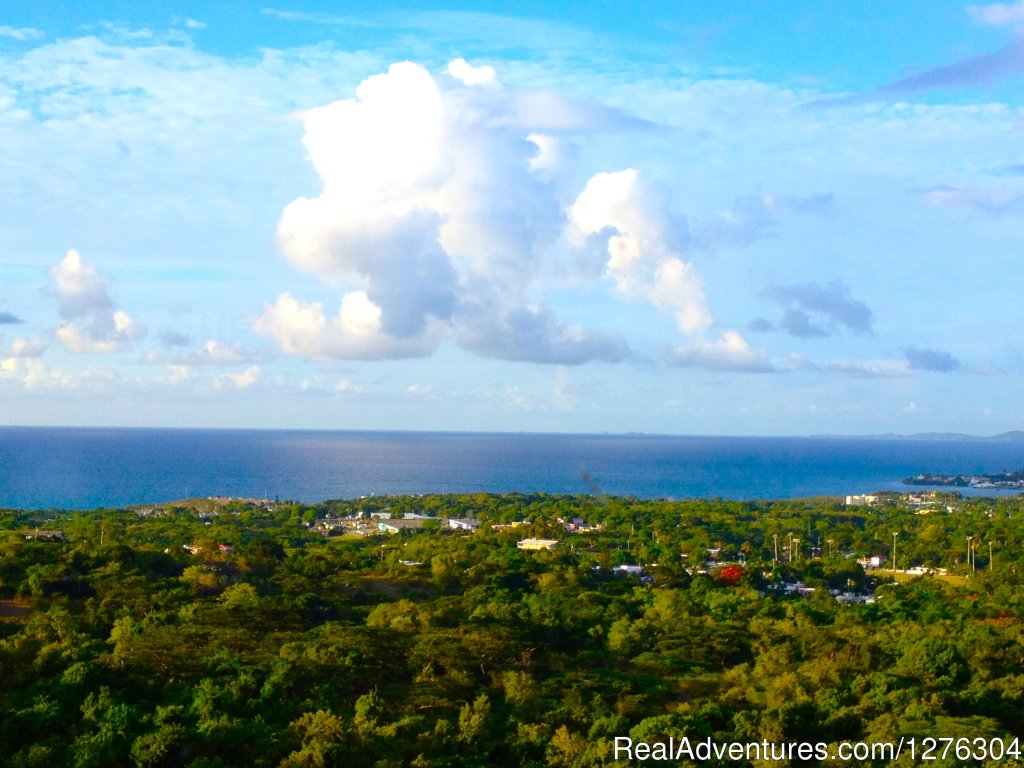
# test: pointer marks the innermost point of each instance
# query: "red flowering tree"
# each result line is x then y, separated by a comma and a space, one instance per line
730, 575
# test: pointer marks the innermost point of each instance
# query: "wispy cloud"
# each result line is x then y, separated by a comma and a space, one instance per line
497, 32
6, 318
754, 217
870, 369
997, 14
986, 69
978, 71
995, 203
212, 353
22, 34
330, 19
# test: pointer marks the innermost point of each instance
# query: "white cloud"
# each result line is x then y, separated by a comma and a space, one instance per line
92, 325
438, 198
644, 245
381, 157
81, 291
34, 374
101, 337
27, 348
242, 380
301, 328
730, 352
470, 75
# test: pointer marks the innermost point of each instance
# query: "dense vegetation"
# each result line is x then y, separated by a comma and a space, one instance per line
438, 647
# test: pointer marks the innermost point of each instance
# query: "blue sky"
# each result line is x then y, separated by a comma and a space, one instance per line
721, 218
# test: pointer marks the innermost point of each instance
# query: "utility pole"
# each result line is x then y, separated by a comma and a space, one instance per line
990, 542
775, 540
894, 535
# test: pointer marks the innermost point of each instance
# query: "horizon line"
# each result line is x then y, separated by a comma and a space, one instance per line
1009, 435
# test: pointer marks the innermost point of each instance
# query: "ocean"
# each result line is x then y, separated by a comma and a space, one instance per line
85, 468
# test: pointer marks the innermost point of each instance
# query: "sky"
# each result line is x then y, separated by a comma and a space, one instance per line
724, 218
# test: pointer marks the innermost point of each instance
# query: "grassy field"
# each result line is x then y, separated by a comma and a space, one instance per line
950, 578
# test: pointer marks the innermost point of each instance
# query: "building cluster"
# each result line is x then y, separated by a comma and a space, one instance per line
861, 500
382, 522
45, 535
922, 501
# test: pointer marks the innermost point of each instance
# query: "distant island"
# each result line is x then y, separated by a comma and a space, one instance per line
1003, 480
1015, 436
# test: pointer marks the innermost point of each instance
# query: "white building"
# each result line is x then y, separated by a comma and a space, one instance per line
535, 544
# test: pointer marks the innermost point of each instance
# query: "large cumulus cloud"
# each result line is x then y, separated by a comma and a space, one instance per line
446, 205
441, 198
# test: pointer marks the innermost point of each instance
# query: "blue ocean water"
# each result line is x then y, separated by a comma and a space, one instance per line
84, 468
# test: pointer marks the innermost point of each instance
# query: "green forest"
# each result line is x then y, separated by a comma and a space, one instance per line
247, 633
